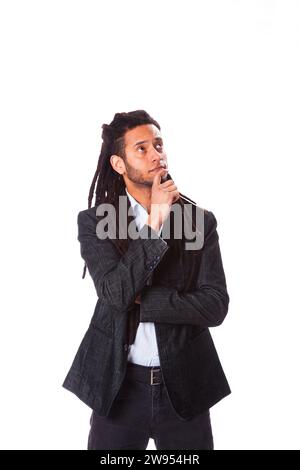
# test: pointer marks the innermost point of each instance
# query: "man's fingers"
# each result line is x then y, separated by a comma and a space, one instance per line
175, 194
170, 188
157, 177
166, 184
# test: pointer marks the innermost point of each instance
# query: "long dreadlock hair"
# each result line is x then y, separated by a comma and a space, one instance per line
110, 184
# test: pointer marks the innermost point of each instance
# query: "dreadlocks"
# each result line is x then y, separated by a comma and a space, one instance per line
110, 184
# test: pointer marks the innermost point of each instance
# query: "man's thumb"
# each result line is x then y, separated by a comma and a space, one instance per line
157, 177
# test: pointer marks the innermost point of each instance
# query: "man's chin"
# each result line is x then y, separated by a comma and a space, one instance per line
147, 183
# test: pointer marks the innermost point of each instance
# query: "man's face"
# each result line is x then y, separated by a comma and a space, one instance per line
144, 153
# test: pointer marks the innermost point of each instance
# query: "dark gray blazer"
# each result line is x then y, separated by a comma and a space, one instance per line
191, 369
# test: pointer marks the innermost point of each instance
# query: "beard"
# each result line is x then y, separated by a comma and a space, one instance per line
137, 176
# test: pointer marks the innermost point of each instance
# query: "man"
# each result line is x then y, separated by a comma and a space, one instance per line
147, 365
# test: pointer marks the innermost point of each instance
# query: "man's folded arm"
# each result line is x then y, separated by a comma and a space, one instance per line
118, 279
205, 306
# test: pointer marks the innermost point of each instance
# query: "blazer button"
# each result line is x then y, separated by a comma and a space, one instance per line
125, 347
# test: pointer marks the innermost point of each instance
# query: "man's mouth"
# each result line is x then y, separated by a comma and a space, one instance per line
157, 168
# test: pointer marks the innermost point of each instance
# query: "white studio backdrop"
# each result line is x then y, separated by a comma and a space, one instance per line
222, 79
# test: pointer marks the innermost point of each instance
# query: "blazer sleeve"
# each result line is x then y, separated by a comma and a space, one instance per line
118, 279
205, 306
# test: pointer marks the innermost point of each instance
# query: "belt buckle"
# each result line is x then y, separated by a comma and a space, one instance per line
153, 383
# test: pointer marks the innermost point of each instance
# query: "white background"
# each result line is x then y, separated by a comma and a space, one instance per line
222, 79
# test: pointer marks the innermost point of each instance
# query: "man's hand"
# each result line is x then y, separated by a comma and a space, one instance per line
163, 195
138, 299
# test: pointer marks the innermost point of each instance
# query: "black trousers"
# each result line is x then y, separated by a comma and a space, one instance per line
141, 411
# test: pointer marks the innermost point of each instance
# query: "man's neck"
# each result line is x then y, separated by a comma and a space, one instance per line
142, 194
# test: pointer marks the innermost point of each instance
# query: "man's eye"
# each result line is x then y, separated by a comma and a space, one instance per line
142, 147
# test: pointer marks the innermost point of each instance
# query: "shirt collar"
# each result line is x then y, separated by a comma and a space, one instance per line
137, 208
133, 201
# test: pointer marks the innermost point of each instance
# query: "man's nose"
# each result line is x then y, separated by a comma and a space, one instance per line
156, 156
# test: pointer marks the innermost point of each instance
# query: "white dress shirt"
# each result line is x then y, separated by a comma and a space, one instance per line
144, 349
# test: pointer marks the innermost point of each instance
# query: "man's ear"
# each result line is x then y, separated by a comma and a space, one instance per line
117, 163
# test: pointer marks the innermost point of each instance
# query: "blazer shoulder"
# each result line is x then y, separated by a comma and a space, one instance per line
208, 217
210, 227
86, 215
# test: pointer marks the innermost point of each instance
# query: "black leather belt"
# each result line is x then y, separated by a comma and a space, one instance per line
150, 375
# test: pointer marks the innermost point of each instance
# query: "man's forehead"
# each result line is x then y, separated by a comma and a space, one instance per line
143, 132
